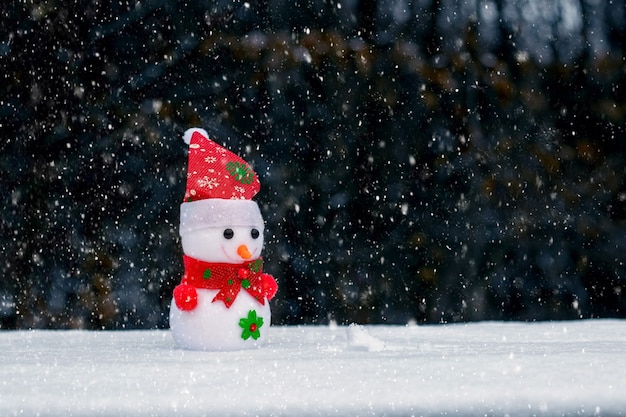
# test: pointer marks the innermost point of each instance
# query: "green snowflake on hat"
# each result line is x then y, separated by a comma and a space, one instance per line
240, 172
251, 326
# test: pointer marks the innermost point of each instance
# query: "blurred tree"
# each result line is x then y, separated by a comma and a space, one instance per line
433, 161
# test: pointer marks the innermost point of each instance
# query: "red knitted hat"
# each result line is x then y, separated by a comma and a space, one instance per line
220, 186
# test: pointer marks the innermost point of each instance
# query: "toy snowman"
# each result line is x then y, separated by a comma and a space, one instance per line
222, 300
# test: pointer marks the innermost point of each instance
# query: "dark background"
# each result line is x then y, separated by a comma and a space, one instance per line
429, 161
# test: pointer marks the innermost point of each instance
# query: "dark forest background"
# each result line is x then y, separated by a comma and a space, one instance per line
429, 160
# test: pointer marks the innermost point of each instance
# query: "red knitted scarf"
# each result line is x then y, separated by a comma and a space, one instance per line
229, 279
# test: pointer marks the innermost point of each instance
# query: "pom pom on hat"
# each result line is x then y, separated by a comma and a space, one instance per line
220, 186
189, 133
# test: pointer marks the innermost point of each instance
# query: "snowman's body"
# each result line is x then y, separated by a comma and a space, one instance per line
222, 300
212, 326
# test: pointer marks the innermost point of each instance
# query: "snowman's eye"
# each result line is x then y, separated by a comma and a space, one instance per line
254, 233
228, 233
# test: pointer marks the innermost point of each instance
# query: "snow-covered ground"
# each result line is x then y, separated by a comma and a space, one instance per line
517, 369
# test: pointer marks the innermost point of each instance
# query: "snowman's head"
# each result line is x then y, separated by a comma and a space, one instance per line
227, 231
219, 222
228, 244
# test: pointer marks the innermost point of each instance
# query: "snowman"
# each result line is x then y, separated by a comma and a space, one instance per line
222, 300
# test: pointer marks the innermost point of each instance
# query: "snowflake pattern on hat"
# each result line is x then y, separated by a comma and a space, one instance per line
215, 172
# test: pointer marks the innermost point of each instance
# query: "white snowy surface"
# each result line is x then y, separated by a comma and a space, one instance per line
573, 368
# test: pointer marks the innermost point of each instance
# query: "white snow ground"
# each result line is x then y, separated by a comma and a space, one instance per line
573, 368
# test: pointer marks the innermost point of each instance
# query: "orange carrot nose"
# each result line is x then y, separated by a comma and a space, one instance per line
244, 252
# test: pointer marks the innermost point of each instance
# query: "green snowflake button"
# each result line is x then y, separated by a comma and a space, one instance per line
251, 326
